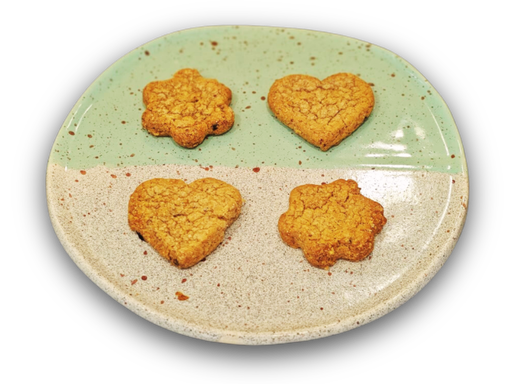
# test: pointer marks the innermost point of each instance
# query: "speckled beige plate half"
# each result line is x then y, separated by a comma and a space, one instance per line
253, 289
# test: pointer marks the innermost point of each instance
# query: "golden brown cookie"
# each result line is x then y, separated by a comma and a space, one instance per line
187, 107
330, 222
183, 222
322, 112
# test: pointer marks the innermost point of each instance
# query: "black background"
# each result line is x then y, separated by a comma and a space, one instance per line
85, 327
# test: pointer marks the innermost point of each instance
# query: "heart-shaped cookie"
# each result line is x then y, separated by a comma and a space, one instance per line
183, 222
322, 112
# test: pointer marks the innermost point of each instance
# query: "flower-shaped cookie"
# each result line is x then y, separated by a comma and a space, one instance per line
183, 222
187, 107
330, 222
322, 112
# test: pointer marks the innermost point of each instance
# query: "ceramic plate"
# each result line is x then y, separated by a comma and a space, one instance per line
253, 289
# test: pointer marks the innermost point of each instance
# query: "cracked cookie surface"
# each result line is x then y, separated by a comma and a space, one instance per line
183, 222
187, 107
330, 222
322, 112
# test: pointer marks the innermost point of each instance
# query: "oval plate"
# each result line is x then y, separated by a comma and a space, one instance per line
253, 289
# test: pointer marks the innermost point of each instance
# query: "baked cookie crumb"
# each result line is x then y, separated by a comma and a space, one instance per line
331, 222
187, 107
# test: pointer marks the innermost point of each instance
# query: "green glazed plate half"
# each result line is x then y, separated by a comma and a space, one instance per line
253, 289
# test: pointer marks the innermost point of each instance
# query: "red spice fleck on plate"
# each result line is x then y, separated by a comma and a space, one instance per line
145, 252
144, 277
257, 169
113, 176
71, 133
134, 281
83, 172
184, 280
128, 174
